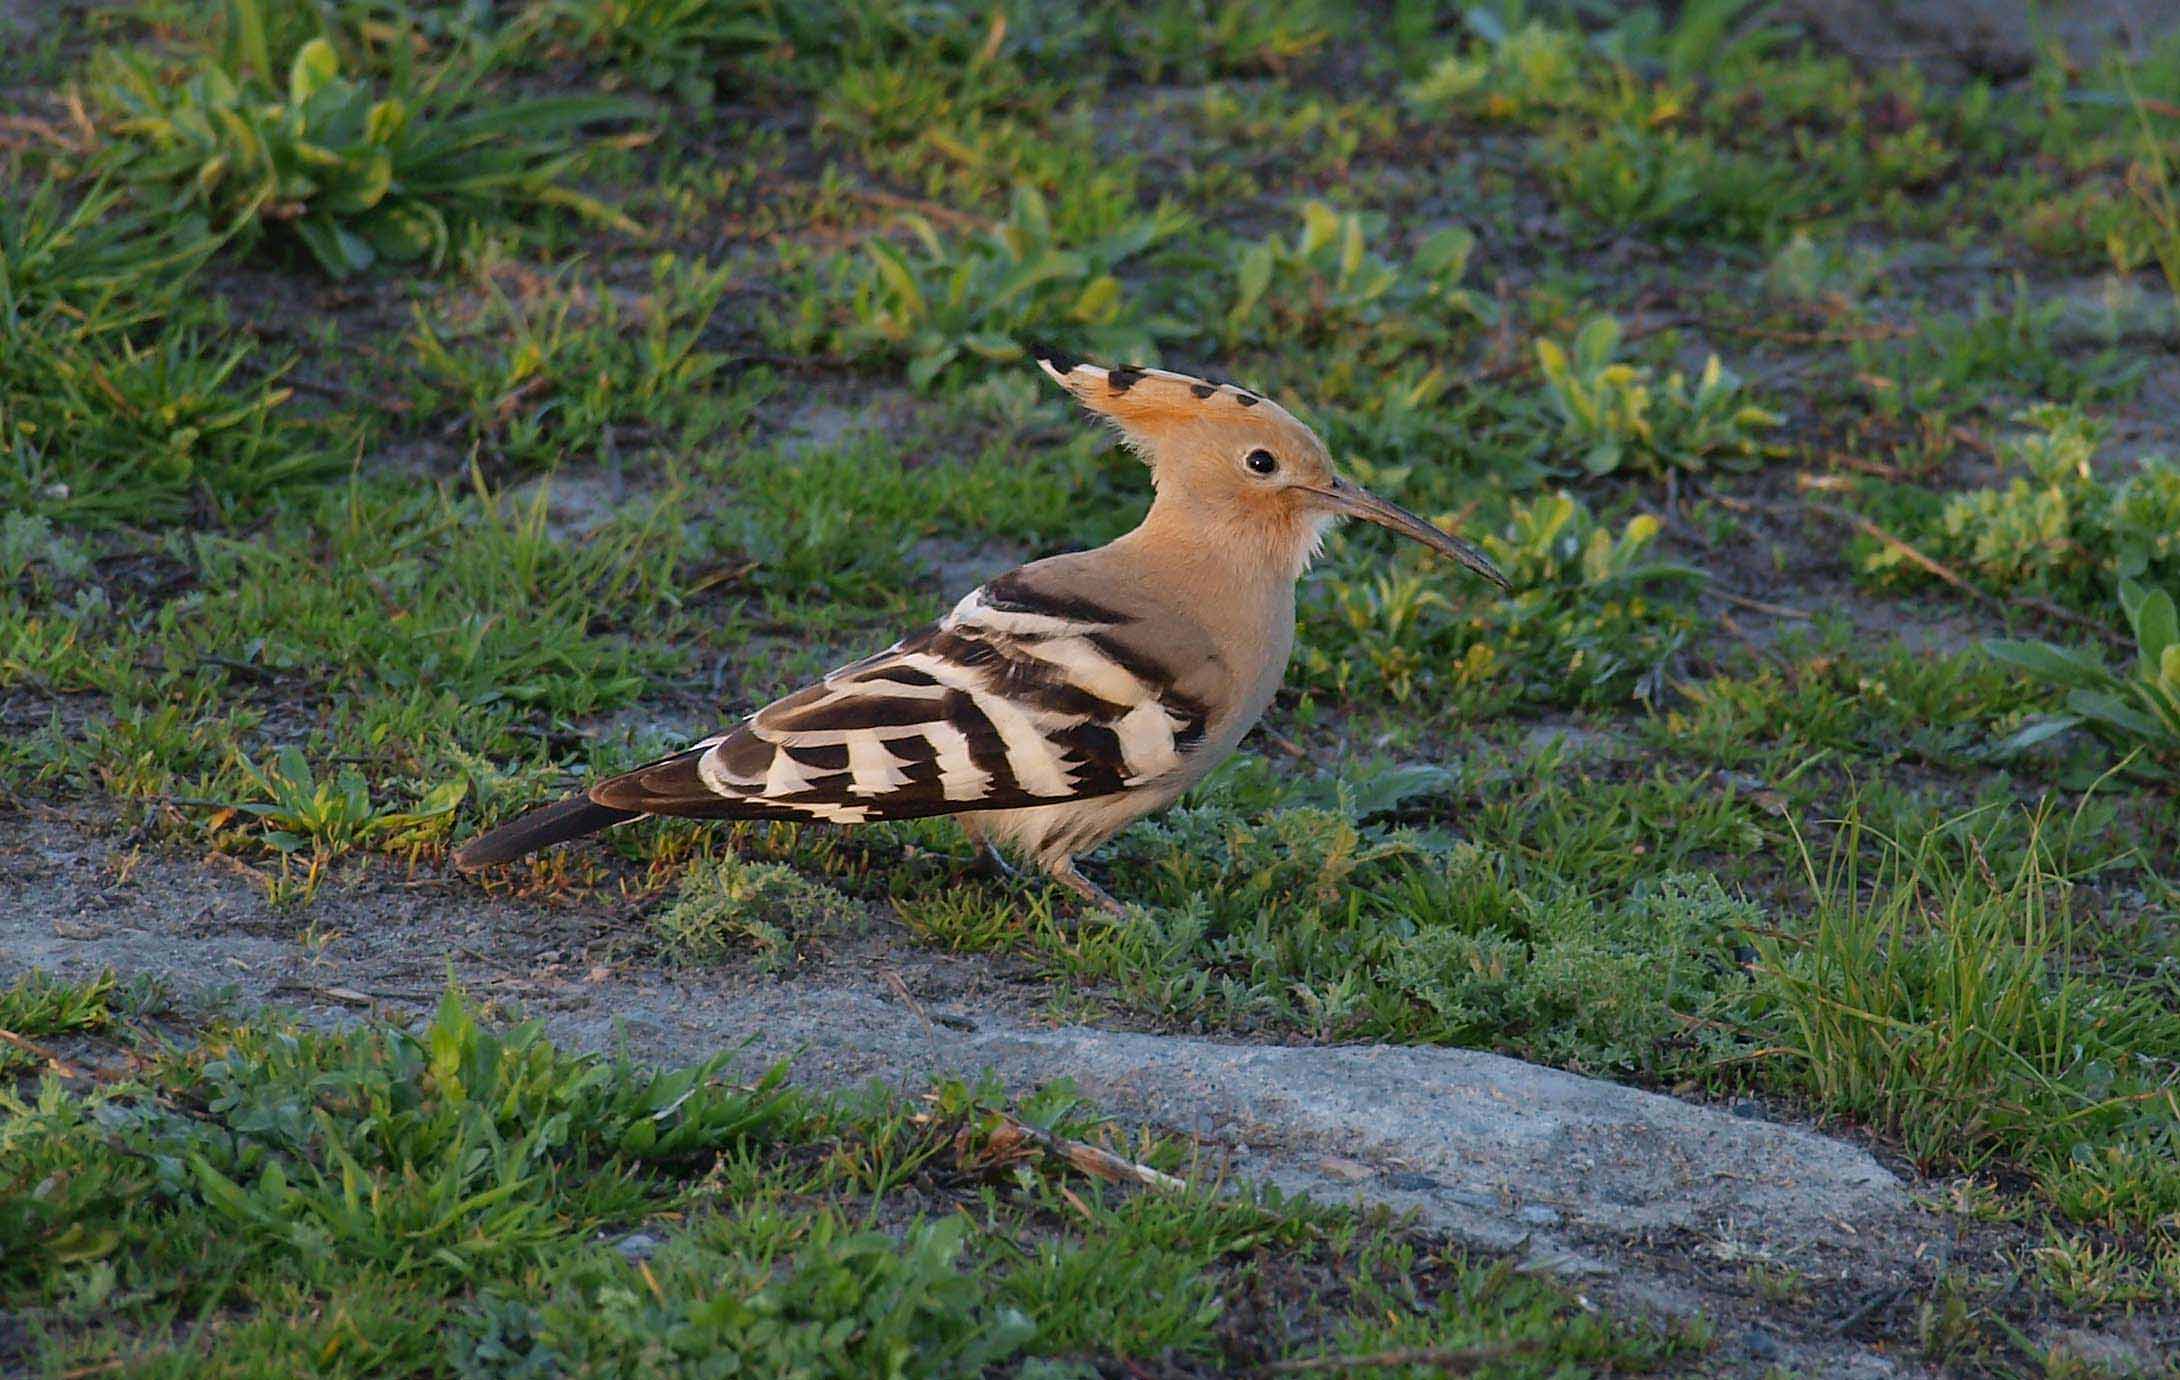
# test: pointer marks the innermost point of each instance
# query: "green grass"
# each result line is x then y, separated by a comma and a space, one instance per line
1943, 999
463, 1199
120, 398
409, 411
564, 369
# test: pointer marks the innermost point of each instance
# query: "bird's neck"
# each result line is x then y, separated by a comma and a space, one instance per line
1211, 547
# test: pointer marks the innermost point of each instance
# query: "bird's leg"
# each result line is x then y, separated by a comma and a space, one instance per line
993, 861
1063, 872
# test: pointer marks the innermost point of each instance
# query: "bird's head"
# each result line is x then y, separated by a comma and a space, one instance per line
1235, 460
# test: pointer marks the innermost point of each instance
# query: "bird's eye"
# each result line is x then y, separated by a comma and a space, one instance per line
1261, 462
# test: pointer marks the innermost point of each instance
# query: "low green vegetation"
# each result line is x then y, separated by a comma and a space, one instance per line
564, 367
1326, 288
409, 412
1595, 618
264, 143
2062, 525
464, 1199
1942, 999
727, 906
2138, 713
120, 399
973, 299
1613, 414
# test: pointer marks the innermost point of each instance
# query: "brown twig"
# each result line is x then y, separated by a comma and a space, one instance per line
878, 196
1862, 466
22, 131
1839, 337
899, 988
53, 1061
1449, 1360
894, 201
1285, 744
1759, 606
1097, 1163
349, 996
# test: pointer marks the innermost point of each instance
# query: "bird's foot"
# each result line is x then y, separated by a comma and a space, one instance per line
1066, 875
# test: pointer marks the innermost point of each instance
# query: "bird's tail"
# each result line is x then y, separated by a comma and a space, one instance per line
541, 828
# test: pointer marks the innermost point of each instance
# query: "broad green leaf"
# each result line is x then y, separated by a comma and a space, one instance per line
1597, 341
402, 233
246, 30
371, 177
2156, 627
1351, 248
1099, 301
2110, 709
1253, 277
928, 366
386, 121
1320, 226
2049, 663
316, 66
895, 272
2035, 732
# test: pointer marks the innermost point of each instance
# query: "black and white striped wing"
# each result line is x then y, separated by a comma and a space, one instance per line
1016, 698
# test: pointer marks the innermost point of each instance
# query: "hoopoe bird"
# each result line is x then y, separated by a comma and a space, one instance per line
1065, 699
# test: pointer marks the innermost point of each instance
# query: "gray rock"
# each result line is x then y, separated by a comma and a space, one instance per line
1991, 38
2110, 1353
1611, 1158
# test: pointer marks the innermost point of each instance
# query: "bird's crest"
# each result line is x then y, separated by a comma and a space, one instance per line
1141, 401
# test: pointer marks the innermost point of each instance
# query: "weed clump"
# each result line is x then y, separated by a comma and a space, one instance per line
2138, 713
1619, 416
566, 369
1595, 617
352, 175
1327, 286
2057, 527
979, 297
728, 906
121, 400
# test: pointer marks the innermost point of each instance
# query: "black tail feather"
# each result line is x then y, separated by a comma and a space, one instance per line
541, 828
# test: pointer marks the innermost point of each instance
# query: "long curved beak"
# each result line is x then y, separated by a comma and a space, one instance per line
1350, 498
